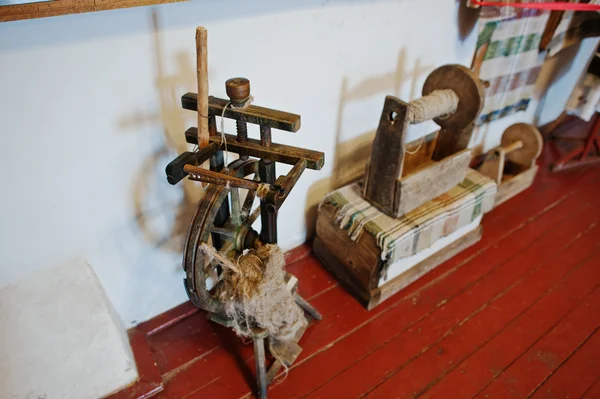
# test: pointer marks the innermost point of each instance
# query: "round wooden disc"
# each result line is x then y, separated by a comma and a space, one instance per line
532, 143
466, 85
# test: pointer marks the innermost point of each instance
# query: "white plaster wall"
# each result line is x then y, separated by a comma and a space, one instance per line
90, 115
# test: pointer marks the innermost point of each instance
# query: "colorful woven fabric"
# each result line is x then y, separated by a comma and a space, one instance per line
507, 56
418, 229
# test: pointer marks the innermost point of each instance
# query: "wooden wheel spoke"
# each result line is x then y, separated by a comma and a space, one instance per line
252, 218
223, 231
249, 200
227, 246
236, 213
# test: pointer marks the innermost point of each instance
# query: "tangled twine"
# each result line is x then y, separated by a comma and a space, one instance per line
438, 103
255, 294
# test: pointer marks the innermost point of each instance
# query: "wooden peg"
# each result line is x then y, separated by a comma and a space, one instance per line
202, 74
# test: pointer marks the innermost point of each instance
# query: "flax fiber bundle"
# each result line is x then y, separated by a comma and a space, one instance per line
254, 292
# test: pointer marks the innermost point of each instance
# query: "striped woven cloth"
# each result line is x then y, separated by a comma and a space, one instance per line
418, 229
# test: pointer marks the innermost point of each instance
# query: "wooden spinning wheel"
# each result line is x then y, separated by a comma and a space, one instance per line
228, 229
226, 212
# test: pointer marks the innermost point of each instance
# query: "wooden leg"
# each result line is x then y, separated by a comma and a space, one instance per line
303, 303
261, 373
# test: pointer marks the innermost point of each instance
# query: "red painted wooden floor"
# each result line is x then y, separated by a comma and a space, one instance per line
516, 315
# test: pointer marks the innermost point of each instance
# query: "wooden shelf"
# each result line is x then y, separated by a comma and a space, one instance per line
64, 7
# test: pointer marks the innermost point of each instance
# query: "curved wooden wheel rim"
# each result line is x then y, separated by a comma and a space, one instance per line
532, 143
199, 232
467, 87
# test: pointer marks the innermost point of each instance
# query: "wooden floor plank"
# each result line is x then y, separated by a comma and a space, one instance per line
471, 311
490, 360
315, 279
522, 377
576, 375
422, 335
414, 378
343, 316
593, 392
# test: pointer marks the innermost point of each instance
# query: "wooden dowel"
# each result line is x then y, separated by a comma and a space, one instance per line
209, 176
202, 72
517, 145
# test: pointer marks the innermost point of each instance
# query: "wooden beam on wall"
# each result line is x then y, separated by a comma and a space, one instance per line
17, 12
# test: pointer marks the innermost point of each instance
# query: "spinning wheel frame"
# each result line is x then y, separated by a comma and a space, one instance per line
237, 232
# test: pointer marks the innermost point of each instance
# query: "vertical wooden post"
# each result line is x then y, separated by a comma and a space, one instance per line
202, 71
259, 361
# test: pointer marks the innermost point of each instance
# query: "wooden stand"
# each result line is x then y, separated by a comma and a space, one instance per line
396, 186
512, 164
424, 177
370, 298
285, 353
358, 265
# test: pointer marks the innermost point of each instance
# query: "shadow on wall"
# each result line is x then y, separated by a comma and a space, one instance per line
163, 216
352, 155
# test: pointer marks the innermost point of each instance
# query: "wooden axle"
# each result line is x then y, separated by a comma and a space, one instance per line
516, 145
520, 146
208, 176
452, 97
437, 104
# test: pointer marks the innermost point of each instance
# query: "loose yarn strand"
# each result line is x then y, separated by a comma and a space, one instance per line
412, 152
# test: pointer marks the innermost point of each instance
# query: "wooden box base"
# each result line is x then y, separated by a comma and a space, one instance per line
372, 298
513, 185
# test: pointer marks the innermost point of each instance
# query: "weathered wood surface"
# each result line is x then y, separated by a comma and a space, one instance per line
275, 152
532, 143
467, 87
450, 142
221, 179
202, 76
418, 153
514, 185
341, 272
370, 298
391, 287
493, 166
251, 114
429, 182
174, 169
17, 12
387, 155
361, 257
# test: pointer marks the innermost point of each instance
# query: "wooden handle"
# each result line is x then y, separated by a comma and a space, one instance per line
209, 176
202, 71
517, 145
